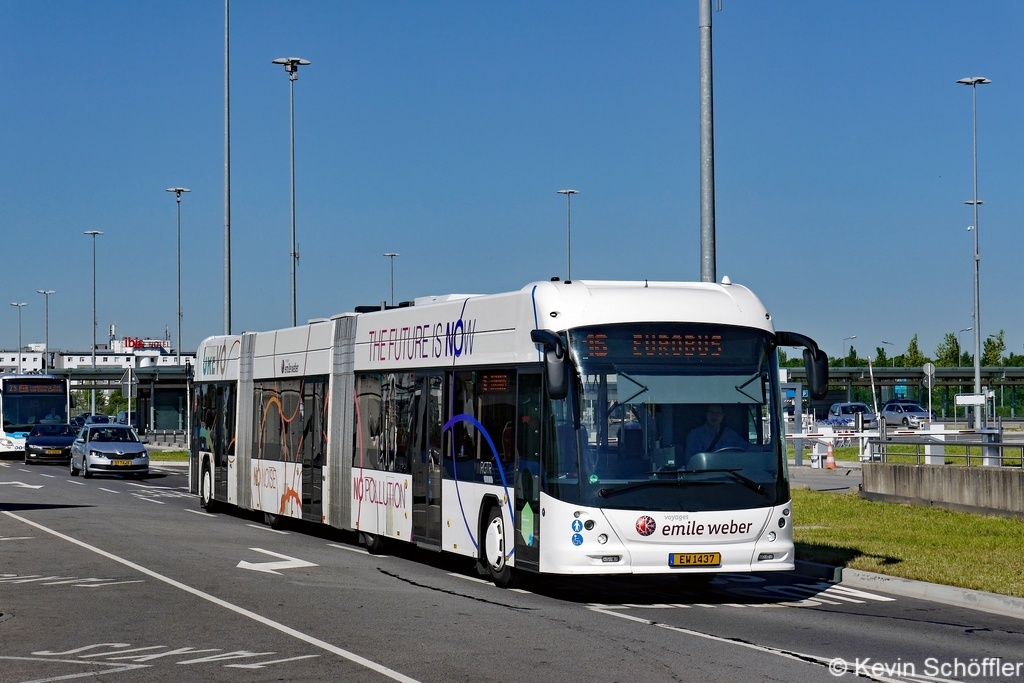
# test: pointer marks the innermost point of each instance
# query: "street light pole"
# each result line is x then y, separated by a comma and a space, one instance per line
893, 345
46, 346
177, 194
94, 233
845, 339
291, 65
392, 256
568, 231
974, 82
959, 352
19, 307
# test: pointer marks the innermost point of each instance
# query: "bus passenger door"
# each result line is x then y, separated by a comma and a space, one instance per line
222, 437
527, 479
426, 463
314, 446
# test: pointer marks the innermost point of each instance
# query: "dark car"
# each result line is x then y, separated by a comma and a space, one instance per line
97, 420
49, 443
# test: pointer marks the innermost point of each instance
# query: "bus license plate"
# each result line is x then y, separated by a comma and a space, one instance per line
694, 559
122, 463
53, 451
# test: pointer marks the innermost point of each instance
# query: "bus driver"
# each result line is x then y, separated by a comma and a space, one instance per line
713, 435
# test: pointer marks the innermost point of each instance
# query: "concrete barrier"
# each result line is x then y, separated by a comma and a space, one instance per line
985, 490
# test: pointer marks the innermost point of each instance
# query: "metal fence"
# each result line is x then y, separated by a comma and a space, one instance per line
1006, 454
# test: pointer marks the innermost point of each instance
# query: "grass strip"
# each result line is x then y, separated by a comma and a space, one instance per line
922, 543
168, 456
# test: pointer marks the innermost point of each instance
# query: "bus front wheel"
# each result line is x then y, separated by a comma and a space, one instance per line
495, 540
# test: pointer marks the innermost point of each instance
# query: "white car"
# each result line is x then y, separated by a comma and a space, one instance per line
906, 414
109, 449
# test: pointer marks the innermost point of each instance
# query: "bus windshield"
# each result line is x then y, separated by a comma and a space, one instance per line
28, 403
678, 417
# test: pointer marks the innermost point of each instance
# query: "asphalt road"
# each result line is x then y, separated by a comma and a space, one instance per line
131, 581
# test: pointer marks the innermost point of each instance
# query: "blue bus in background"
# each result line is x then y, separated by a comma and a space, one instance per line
28, 400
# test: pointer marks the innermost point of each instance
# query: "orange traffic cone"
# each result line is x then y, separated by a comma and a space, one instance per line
830, 459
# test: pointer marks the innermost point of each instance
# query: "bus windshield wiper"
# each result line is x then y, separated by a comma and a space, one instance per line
604, 493
735, 473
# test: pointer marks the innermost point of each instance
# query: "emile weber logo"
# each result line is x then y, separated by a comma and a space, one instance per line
645, 526
288, 368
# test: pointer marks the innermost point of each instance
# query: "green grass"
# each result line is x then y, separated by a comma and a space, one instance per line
169, 456
923, 543
955, 455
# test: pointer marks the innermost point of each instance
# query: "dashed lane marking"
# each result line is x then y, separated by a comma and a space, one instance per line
264, 528
149, 500
72, 481
15, 538
351, 550
107, 490
468, 578
197, 512
48, 476
316, 642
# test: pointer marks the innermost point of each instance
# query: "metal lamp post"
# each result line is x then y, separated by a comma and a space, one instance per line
568, 231
19, 307
177, 194
959, 350
392, 256
974, 82
94, 233
894, 346
845, 339
46, 345
291, 65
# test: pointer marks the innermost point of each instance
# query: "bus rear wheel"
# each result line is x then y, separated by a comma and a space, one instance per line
373, 543
493, 544
206, 490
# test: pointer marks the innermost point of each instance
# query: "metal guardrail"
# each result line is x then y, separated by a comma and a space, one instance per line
878, 450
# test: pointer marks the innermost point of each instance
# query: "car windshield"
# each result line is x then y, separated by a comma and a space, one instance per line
854, 408
113, 434
53, 430
675, 417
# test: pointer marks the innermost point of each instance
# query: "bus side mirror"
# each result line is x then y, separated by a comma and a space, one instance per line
556, 369
815, 362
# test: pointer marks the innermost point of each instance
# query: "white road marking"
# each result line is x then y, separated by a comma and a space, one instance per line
101, 585
197, 512
143, 486
107, 490
38, 578
266, 528
316, 642
468, 578
21, 484
116, 668
121, 652
158, 502
263, 664
270, 567
48, 476
351, 550
22, 470
520, 590
72, 481
15, 577
58, 583
237, 654
791, 655
80, 649
158, 655
16, 538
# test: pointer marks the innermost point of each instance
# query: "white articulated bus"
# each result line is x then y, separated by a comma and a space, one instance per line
568, 428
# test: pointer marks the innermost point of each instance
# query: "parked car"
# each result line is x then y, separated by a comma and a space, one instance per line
843, 414
907, 402
109, 449
78, 421
49, 443
911, 415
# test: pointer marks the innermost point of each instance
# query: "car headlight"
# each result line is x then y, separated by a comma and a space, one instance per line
97, 454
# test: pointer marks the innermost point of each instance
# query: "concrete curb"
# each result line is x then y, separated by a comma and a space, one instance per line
993, 603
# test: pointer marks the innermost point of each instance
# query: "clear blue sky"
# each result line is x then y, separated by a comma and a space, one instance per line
443, 130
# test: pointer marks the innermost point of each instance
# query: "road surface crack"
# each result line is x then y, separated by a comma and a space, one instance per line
449, 592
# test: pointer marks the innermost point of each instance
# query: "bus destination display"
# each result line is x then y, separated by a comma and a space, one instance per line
33, 388
695, 343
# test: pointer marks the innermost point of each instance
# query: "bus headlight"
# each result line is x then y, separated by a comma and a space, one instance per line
6, 443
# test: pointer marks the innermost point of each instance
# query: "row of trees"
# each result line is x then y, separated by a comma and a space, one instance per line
105, 405
948, 354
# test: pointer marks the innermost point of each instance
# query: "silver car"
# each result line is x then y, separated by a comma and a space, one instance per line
109, 449
842, 414
906, 414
